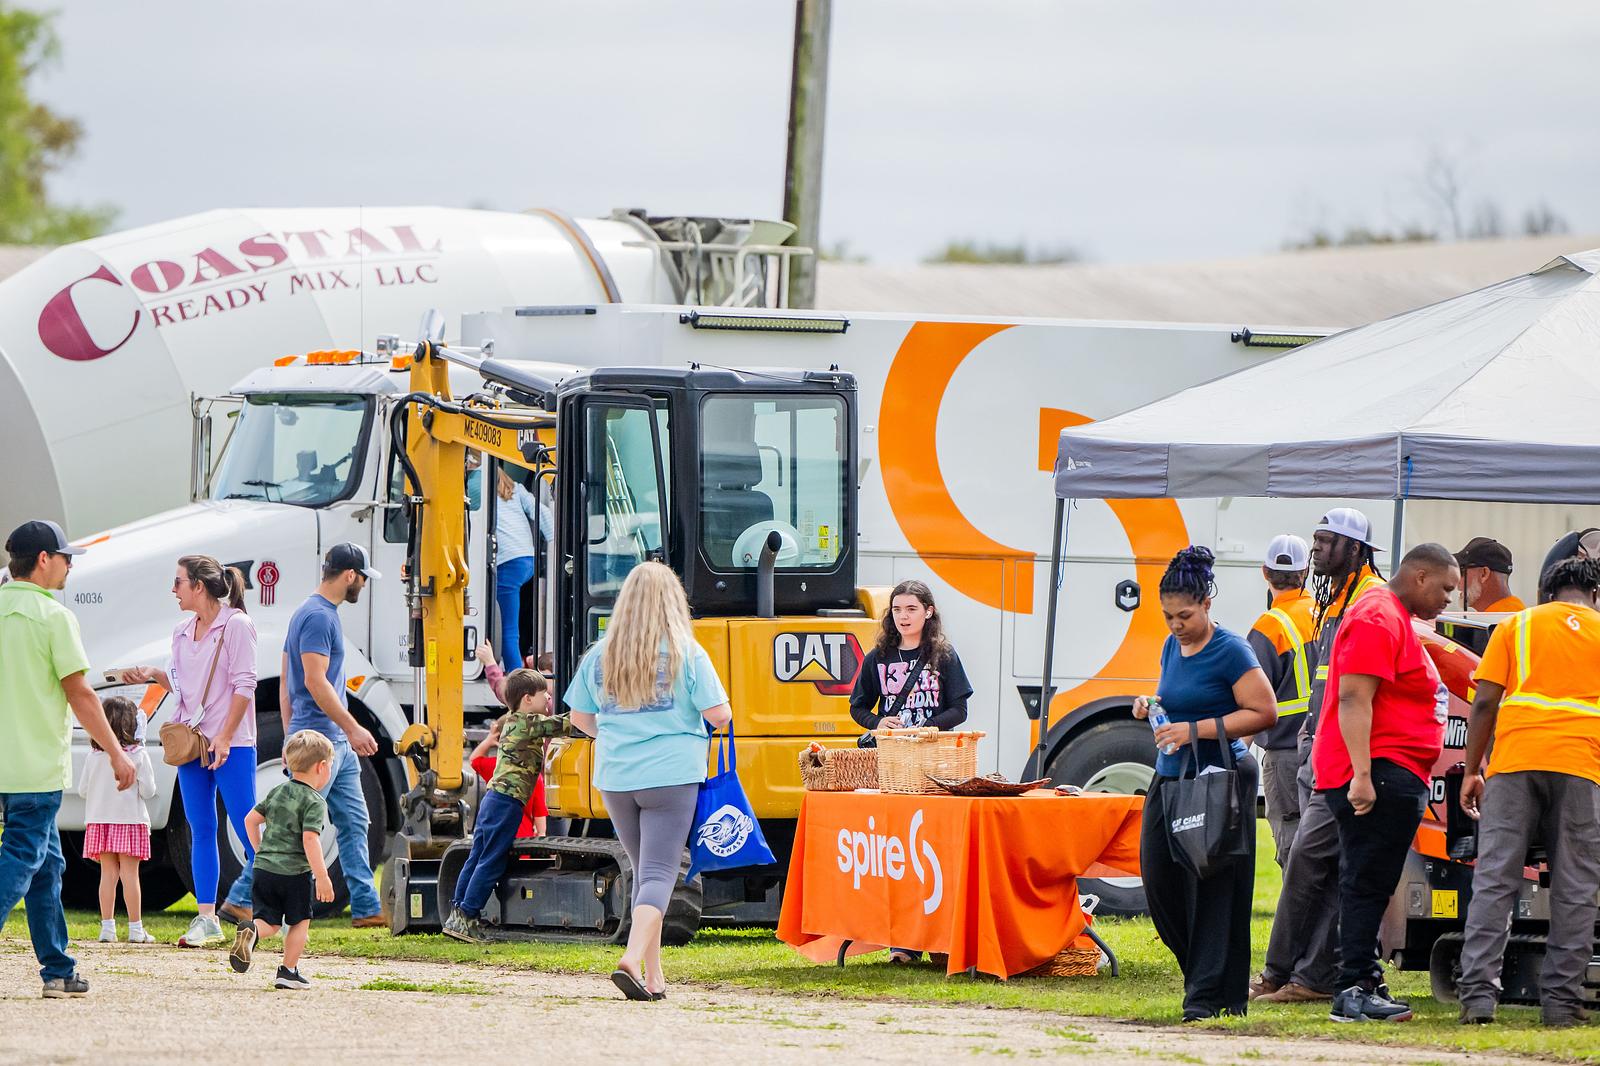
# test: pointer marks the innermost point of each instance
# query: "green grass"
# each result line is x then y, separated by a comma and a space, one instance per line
1149, 989
441, 988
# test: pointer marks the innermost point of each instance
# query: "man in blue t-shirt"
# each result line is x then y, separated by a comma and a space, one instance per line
312, 696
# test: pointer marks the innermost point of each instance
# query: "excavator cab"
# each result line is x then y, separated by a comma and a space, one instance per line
698, 468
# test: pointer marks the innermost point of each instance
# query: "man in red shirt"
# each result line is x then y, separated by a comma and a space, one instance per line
1373, 757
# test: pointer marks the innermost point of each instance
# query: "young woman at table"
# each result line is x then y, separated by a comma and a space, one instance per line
1207, 672
887, 697
649, 695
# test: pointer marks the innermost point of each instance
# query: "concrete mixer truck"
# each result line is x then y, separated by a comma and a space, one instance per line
103, 342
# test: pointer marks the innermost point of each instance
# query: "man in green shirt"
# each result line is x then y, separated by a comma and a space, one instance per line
42, 686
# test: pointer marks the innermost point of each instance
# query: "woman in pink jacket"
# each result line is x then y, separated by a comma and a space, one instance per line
213, 676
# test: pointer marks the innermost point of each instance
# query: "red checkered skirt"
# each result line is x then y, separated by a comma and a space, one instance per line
118, 839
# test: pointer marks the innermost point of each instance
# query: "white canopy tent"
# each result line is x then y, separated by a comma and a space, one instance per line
1490, 396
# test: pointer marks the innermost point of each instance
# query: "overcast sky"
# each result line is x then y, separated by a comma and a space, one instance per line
1129, 130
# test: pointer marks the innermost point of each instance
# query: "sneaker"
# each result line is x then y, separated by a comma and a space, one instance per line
73, 987
141, 936
205, 931
109, 936
1294, 992
1477, 1014
466, 929
1262, 985
235, 914
288, 978
1356, 1004
244, 945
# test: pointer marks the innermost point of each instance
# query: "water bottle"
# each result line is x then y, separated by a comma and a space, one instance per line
1158, 718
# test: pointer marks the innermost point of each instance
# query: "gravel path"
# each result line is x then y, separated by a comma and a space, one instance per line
165, 1005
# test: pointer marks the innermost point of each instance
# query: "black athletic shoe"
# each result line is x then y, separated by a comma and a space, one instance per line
288, 978
1477, 1014
244, 943
1356, 1004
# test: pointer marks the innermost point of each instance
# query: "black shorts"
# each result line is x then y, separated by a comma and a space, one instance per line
281, 899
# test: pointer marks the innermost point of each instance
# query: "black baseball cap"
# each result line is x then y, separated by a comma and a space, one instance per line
31, 538
349, 556
1485, 551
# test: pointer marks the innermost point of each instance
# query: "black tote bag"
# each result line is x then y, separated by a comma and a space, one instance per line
1206, 825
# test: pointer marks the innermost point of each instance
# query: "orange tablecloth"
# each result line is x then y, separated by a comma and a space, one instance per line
991, 882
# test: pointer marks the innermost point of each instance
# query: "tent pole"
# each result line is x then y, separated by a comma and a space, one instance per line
1046, 691
1398, 543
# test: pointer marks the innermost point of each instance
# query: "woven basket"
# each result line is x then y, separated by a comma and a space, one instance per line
838, 769
1072, 961
906, 757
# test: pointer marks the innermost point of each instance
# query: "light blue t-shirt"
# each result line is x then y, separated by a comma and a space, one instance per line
663, 743
314, 628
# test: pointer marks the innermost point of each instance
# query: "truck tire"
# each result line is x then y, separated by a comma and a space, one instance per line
269, 774
80, 882
1114, 755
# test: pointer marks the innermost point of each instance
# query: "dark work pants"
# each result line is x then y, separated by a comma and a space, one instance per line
1564, 810
1205, 924
1304, 946
1372, 855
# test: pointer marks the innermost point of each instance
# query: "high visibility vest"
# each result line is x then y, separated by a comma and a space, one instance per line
1364, 586
1302, 674
1527, 697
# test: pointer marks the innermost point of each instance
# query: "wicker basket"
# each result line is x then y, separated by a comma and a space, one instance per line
838, 769
1071, 961
907, 756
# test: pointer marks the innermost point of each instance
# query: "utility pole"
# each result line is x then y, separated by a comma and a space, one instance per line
802, 180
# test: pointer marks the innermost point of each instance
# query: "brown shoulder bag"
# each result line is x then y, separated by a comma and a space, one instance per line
182, 743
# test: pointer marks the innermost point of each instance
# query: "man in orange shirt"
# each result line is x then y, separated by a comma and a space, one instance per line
1539, 697
1485, 572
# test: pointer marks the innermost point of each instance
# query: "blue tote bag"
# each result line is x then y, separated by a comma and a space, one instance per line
725, 833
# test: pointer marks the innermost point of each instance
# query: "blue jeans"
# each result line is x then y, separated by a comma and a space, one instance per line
347, 809
492, 836
31, 865
509, 578
198, 786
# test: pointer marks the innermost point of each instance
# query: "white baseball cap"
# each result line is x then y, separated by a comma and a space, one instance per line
1348, 522
1288, 553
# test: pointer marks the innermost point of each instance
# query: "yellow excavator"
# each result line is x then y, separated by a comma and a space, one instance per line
744, 483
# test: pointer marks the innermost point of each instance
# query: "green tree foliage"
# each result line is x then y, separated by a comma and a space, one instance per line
35, 141
1016, 254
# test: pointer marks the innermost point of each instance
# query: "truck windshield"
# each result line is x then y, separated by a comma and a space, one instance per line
299, 449
772, 462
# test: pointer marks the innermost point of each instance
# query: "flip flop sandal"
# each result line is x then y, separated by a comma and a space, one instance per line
630, 986
658, 996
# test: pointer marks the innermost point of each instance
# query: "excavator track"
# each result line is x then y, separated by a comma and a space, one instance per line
1520, 975
579, 890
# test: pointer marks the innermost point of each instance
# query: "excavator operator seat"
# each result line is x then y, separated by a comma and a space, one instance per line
729, 498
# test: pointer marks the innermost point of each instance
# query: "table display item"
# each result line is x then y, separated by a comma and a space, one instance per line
838, 769
906, 758
988, 785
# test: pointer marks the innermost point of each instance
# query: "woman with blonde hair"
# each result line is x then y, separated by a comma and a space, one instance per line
647, 691
516, 559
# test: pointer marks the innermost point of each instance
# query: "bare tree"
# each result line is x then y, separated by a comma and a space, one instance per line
1539, 220
1442, 182
1487, 221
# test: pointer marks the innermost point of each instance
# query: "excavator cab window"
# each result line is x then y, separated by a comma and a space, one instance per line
624, 489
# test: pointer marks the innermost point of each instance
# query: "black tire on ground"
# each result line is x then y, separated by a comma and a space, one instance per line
269, 750
1108, 756
80, 883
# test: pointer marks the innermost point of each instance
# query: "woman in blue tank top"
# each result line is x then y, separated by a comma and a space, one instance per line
1207, 673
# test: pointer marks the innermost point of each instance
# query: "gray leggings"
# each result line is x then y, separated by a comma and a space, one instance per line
653, 825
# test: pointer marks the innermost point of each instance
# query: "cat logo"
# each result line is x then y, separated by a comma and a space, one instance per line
828, 660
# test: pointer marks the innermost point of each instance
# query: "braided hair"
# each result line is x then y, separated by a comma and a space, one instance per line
1350, 556
1190, 574
1570, 573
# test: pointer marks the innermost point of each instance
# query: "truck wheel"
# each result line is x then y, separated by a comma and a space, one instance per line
80, 882
269, 775
1111, 756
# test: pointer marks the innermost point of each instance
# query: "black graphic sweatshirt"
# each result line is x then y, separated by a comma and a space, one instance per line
938, 699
